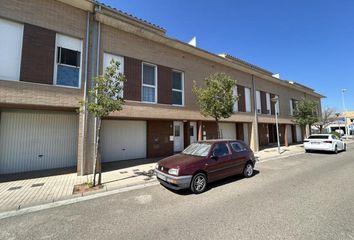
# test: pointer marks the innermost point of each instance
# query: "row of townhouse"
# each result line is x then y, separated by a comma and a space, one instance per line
50, 52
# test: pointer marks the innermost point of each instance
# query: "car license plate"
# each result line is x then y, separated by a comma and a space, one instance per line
162, 177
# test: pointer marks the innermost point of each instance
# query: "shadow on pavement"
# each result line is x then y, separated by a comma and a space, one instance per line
216, 184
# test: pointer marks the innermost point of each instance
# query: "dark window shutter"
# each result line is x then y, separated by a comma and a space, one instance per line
164, 85
132, 72
38, 50
264, 102
241, 98
272, 104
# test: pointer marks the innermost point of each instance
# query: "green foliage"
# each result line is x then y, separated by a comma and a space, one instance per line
336, 133
305, 112
216, 99
106, 95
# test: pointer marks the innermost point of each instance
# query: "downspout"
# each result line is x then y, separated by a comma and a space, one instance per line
97, 72
85, 94
255, 115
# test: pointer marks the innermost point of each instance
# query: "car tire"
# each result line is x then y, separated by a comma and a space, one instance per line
345, 147
248, 170
198, 183
307, 151
335, 149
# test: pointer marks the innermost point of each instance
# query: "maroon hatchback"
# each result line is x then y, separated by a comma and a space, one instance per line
204, 162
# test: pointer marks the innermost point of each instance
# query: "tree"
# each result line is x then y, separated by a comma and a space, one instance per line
105, 97
328, 117
216, 100
305, 113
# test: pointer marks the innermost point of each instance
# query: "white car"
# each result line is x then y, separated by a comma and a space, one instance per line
324, 142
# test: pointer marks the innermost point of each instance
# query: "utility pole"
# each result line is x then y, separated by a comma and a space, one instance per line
276, 101
345, 112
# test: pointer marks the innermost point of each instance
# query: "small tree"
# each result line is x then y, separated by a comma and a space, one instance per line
328, 116
105, 97
305, 113
216, 100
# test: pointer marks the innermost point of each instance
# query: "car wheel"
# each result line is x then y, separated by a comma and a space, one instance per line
199, 183
335, 149
307, 151
248, 171
345, 147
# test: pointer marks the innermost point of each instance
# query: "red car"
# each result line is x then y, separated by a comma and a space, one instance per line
204, 162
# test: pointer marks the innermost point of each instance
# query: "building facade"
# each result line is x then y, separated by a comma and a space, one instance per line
51, 51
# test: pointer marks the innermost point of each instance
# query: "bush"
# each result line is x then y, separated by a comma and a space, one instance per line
336, 133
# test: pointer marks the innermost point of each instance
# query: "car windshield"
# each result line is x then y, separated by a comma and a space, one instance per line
198, 149
319, 137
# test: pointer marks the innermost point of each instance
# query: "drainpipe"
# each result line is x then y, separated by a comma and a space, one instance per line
97, 72
85, 93
255, 115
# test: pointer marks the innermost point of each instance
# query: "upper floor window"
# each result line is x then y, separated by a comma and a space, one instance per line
11, 50
248, 99
258, 102
67, 71
177, 88
149, 86
235, 94
107, 59
268, 103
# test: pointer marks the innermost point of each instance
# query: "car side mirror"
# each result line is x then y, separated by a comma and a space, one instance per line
214, 157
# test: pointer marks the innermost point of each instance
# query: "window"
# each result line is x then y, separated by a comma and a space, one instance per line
291, 104
107, 58
268, 103
11, 50
235, 94
248, 99
68, 61
221, 150
177, 131
149, 92
258, 102
177, 88
237, 147
277, 109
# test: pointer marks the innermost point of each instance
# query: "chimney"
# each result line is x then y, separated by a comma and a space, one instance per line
193, 42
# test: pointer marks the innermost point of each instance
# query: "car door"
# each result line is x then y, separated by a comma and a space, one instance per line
239, 156
220, 162
338, 142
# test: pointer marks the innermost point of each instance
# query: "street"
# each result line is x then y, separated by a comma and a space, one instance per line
308, 196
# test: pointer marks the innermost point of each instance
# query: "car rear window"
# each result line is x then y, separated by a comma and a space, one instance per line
318, 137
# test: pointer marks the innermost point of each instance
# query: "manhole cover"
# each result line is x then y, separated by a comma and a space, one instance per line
37, 185
14, 188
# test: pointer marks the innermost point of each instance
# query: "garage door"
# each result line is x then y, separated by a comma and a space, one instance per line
123, 140
227, 130
31, 140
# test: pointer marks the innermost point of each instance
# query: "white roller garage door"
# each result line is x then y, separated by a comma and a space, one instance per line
123, 140
227, 130
37, 140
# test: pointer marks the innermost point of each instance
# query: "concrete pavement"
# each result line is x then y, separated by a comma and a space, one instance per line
307, 196
29, 191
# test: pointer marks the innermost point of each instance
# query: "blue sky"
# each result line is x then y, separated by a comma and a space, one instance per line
310, 42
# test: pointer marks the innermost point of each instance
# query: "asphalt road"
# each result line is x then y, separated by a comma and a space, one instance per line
309, 196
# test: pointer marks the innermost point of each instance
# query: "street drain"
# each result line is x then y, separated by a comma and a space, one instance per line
123, 172
136, 170
37, 185
14, 188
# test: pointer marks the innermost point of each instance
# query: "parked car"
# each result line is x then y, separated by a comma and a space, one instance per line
324, 142
204, 162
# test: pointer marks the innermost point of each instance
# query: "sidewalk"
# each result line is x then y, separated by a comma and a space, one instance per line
33, 190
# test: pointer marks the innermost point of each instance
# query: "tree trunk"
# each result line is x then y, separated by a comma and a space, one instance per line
97, 159
217, 128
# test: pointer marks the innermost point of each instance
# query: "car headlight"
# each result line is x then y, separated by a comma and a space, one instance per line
173, 171
157, 166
